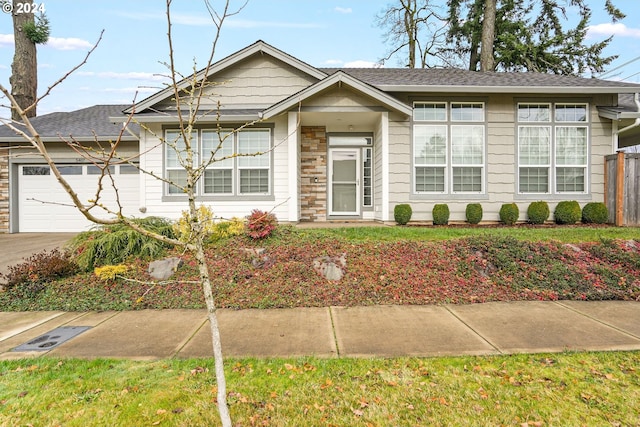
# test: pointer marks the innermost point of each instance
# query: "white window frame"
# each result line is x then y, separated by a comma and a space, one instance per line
554, 124
451, 123
234, 163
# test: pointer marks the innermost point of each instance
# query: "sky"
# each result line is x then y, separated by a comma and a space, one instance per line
323, 33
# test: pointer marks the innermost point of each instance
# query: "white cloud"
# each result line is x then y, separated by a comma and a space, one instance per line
343, 9
68, 43
610, 29
141, 89
6, 40
362, 64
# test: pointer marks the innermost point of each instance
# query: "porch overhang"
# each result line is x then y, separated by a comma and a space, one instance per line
338, 79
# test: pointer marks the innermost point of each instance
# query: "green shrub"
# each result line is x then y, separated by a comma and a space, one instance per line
31, 275
440, 214
113, 244
567, 212
538, 212
509, 213
474, 213
595, 213
260, 224
402, 213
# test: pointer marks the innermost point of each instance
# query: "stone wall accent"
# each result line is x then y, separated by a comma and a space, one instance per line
313, 165
4, 190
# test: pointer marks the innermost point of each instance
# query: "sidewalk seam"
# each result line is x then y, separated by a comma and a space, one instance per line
333, 331
496, 348
595, 319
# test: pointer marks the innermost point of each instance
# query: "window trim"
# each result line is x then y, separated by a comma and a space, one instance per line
235, 195
449, 166
553, 166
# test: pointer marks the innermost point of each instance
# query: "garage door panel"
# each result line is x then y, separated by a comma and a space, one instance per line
45, 206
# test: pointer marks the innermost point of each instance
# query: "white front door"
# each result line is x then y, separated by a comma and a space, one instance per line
344, 185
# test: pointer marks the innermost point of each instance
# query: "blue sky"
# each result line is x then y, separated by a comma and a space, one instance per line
323, 33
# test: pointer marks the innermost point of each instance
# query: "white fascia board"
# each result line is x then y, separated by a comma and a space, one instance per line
339, 77
613, 114
216, 67
573, 90
163, 118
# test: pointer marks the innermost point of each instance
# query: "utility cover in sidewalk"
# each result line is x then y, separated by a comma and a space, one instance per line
52, 339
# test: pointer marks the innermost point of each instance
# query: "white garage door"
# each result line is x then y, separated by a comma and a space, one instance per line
45, 206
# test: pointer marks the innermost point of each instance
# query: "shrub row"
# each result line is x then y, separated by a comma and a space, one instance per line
566, 212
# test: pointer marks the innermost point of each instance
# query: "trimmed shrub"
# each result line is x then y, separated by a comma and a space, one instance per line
402, 213
114, 244
440, 214
567, 212
595, 213
260, 224
538, 212
509, 213
473, 213
31, 275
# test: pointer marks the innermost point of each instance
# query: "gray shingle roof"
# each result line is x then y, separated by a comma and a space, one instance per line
457, 77
79, 124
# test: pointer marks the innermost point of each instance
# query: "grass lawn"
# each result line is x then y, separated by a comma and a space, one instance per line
568, 389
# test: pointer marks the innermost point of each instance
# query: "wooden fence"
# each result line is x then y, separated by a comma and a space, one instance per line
622, 188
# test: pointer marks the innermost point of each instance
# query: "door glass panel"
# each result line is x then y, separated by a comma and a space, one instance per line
344, 185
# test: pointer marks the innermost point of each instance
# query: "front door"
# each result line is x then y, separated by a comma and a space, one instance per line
344, 185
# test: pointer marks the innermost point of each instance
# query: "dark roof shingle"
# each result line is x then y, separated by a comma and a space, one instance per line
79, 124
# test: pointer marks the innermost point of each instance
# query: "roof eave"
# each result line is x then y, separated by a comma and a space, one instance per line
173, 118
508, 89
65, 138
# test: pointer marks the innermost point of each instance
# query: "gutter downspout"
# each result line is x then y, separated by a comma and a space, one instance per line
636, 99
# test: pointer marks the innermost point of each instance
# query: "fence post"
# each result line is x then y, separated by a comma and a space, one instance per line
620, 189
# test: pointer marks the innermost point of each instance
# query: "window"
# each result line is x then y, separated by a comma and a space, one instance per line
552, 148
448, 157
241, 161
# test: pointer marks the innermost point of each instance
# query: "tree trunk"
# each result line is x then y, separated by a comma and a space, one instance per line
221, 381
487, 58
24, 70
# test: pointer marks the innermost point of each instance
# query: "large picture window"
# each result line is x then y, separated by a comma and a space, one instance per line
552, 148
241, 161
448, 147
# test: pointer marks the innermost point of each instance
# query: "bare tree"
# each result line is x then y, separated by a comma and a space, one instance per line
188, 94
415, 27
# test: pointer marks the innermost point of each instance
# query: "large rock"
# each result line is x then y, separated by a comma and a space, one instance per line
331, 268
163, 269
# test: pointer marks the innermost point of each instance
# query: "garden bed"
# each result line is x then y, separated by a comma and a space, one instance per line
478, 268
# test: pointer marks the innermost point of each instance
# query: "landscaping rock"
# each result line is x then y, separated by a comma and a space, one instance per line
163, 269
331, 268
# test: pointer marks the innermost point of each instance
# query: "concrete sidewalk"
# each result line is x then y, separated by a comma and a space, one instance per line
377, 331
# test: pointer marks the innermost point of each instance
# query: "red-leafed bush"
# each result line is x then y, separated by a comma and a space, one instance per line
261, 224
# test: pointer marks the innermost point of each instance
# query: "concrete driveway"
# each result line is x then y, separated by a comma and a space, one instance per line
14, 248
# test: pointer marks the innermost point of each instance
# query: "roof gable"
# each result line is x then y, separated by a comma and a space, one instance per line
337, 78
257, 47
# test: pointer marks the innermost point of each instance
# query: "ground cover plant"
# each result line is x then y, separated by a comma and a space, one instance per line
574, 389
279, 271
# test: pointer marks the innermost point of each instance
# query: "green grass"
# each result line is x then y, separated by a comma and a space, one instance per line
566, 234
543, 389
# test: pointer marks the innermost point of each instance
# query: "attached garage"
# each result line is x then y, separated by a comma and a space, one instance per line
44, 206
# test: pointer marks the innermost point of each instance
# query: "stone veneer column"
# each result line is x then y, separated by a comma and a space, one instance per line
4, 190
313, 165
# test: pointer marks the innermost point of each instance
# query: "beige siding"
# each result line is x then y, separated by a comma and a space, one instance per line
258, 81
500, 162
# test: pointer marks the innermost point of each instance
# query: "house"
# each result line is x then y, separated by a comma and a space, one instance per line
341, 144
